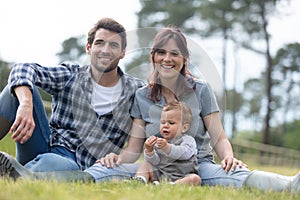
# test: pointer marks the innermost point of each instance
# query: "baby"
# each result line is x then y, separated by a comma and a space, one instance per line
173, 156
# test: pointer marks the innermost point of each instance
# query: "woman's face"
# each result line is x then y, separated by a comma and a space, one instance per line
169, 60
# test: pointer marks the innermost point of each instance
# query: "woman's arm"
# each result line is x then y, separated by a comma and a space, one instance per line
132, 151
220, 142
135, 145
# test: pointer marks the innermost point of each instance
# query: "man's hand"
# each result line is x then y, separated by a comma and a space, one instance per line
23, 125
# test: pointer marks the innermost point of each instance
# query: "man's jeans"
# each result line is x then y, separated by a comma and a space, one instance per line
102, 173
36, 153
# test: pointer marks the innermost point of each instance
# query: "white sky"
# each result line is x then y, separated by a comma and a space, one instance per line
33, 30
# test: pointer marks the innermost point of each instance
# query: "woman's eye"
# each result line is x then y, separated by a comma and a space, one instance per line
175, 53
161, 51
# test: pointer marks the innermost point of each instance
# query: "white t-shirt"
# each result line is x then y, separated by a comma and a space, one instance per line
104, 99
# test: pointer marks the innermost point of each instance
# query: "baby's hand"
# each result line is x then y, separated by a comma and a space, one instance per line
161, 143
149, 143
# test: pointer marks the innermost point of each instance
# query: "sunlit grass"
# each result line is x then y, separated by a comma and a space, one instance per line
22, 189
25, 189
8, 145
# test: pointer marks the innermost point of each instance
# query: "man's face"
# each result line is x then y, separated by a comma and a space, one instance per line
105, 51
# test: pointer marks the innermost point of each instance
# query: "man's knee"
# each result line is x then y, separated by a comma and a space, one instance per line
51, 162
102, 173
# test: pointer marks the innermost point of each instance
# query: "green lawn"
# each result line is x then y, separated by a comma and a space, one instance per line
25, 189
7, 145
111, 191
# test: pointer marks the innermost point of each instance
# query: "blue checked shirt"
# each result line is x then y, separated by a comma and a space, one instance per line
74, 124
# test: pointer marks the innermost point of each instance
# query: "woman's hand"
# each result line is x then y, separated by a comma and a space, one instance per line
231, 163
109, 160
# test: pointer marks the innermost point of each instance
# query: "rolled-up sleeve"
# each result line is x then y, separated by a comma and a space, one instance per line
51, 79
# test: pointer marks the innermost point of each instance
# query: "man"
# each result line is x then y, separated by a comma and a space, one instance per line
90, 107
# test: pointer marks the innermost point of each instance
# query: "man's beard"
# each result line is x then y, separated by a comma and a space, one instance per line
111, 67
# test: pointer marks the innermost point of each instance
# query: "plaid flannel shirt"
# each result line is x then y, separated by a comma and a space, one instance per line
74, 124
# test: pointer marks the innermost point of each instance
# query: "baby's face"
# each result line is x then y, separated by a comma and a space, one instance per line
170, 124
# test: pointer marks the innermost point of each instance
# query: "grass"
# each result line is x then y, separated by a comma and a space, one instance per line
29, 189
111, 191
8, 145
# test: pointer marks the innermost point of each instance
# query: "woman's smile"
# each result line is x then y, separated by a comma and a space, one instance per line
167, 66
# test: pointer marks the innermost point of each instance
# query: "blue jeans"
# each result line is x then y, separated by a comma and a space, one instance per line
101, 173
211, 174
36, 152
58, 159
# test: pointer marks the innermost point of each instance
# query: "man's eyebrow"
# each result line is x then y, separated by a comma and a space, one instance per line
99, 40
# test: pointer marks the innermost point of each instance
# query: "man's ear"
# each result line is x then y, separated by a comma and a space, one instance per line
123, 54
88, 48
185, 127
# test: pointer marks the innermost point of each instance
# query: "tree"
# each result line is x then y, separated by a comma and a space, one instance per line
253, 98
219, 18
286, 82
164, 12
73, 49
254, 22
237, 98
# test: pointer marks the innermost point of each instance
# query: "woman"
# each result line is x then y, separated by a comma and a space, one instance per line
170, 81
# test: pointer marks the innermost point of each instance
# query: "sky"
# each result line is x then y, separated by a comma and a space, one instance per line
33, 30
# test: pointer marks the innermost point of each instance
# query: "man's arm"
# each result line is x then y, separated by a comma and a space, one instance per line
23, 125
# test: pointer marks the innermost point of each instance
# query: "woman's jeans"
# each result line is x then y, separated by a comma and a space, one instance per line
211, 174
36, 154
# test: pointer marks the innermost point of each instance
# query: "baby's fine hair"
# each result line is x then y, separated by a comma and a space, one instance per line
186, 113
